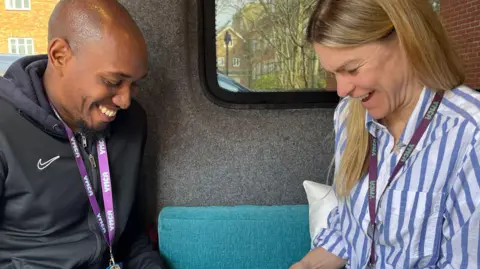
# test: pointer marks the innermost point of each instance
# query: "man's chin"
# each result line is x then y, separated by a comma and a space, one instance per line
99, 127
92, 131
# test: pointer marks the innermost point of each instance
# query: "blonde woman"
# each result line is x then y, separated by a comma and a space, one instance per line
407, 144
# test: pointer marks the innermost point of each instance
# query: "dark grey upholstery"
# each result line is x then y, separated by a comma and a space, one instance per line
202, 154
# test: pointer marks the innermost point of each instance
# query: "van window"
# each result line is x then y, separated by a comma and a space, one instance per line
258, 34
251, 55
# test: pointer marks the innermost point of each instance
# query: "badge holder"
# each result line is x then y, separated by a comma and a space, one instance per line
113, 264
109, 231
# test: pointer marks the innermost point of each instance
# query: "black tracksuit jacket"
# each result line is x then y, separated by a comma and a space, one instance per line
45, 217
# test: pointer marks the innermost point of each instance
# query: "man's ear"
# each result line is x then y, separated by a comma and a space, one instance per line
59, 54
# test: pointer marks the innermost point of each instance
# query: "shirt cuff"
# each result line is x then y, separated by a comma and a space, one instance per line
332, 242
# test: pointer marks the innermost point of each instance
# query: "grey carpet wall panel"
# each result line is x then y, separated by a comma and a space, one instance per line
202, 154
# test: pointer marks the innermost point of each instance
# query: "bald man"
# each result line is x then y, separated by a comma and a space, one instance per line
71, 144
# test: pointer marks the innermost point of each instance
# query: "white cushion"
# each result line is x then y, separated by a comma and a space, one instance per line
321, 200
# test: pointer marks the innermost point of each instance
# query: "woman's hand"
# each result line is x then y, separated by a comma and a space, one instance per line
299, 265
319, 258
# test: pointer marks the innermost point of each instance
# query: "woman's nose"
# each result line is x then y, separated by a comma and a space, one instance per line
344, 86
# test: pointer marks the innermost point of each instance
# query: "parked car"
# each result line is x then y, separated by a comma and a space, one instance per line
229, 84
6, 60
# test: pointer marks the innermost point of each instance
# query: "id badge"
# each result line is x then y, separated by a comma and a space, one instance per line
116, 266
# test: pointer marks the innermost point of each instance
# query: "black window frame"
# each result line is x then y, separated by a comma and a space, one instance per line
224, 98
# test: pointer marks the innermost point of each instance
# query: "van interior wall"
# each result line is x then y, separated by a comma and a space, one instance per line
201, 154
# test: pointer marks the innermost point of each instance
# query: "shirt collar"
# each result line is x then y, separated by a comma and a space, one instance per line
424, 101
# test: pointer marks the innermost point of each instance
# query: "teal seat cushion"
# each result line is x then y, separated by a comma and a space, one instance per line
246, 237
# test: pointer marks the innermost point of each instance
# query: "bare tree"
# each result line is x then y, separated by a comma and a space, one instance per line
276, 29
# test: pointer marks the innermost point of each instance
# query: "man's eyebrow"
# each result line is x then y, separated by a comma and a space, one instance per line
124, 75
119, 74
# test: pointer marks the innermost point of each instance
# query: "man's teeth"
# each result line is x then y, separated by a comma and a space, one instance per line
108, 112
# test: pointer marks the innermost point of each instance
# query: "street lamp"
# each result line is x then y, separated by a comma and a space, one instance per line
227, 39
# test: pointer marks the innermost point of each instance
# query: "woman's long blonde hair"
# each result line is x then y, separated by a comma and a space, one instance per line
344, 23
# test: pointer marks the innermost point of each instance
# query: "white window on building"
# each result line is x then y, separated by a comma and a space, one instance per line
236, 62
221, 61
268, 67
23, 46
17, 4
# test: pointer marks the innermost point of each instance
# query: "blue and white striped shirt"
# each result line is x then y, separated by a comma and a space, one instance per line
430, 215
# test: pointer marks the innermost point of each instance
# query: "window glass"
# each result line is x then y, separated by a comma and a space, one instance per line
263, 50
17, 4
26, 3
24, 29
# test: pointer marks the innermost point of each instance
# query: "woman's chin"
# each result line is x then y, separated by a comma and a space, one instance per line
376, 113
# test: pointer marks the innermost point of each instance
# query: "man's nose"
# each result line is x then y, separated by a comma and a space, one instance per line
123, 98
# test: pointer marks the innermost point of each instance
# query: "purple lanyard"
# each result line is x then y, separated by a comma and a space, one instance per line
372, 170
106, 184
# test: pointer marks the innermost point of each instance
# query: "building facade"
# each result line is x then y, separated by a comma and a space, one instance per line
462, 21
23, 26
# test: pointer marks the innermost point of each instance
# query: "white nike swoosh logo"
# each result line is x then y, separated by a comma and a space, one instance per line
44, 165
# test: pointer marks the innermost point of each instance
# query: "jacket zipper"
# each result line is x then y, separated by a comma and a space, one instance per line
92, 169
